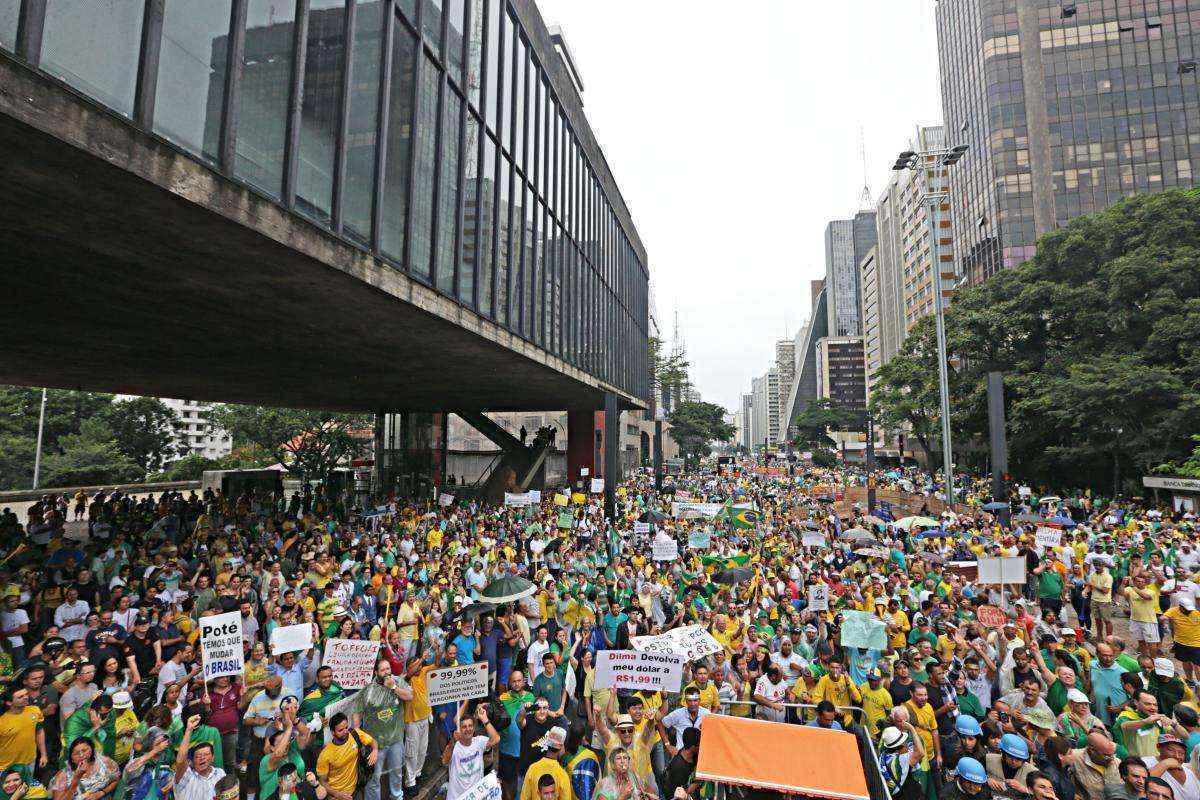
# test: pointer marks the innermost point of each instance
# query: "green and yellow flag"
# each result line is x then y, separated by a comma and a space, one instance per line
725, 562
743, 518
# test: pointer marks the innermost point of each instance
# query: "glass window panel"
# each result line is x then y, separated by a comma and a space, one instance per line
518, 109
448, 193
263, 95
455, 9
431, 20
358, 182
487, 224
394, 201
531, 115
493, 60
321, 107
423, 170
471, 212
94, 47
409, 7
10, 10
191, 76
503, 224
516, 250
474, 30
504, 99
528, 254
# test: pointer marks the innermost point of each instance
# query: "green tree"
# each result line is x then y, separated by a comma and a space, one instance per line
814, 423
89, 458
143, 428
695, 426
308, 443
905, 395
20, 407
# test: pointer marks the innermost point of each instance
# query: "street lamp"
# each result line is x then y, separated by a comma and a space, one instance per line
934, 195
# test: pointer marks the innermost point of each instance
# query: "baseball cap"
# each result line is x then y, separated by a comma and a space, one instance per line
624, 721
1040, 718
874, 675
1067, 631
1164, 667
1169, 738
1187, 604
1076, 696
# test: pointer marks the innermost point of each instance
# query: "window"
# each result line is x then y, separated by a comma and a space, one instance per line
454, 37
10, 10
320, 107
448, 193
423, 170
191, 76
493, 60
394, 200
94, 47
472, 216
486, 227
432, 23
474, 30
358, 180
263, 95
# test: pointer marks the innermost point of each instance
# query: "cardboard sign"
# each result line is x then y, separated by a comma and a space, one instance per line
451, 684
991, 617
561, 500
445, 499
860, 629
641, 527
341, 706
597, 485
638, 670
691, 642
1006, 571
352, 661
818, 597
664, 549
565, 520
221, 645
291, 638
1047, 537
535, 496
812, 539
584, 472
699, 540
487, 789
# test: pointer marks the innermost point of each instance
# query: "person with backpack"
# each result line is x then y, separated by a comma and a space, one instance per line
347, 762
902, 752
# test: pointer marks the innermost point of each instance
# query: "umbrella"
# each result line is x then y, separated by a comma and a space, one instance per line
874, 520
872, 552
474, 610
825, 498
995, 505
855, 533
1050, 498
657, 517
1063, 520
932, 558
1027, 518
734, 575
908, 523
506, 590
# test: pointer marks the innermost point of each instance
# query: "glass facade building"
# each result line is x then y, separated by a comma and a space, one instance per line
846, 244
444, 137
1067, 107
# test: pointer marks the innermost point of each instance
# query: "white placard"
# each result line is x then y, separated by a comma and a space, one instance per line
1047, 537
487, 789
340, 706
352, 661
597, 485
696, 509
291, 638
584, 472
641, 527
812, 539
451, 684
221, 645
535, 496
639, 670
517, 500
1007, 571
664, 549
818, 597
1024, 491
691, 642
445, 499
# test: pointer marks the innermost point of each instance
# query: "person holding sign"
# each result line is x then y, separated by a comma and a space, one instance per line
378, 709
338, 764
463, 755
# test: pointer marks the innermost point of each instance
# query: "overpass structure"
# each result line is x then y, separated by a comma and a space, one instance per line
366, 205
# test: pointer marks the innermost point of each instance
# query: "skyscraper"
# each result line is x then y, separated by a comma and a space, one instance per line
846, 243
1067, 107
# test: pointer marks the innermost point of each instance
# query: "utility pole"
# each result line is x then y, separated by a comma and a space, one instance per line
37, 456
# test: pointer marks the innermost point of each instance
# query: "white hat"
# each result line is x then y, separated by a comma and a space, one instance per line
893, 738
122, 700
1164, 667
1076, 696
1067, 631
1187, 603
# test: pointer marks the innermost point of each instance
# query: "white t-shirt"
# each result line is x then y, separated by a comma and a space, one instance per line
537, 649
14, 619
466, 766
1189, 790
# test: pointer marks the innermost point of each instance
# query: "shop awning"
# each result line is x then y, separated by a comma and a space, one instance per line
794, 759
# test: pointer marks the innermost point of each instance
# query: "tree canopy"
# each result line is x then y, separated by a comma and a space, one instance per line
143, 430
695, 426
814, 423
1098, 337
308, 443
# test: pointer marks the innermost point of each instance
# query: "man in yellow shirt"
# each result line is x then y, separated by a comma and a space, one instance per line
1143, 614
337, 764
418, 716
1185, 620
920, 710
836, 687
1100, 589
709, 697
876, 702
22, 738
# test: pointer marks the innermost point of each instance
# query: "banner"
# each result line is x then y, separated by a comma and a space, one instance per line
1047, 537
699, 540
664, 549
597, 485
535, 496
695, 509
860, 629
691, 642
991, 617
221, 645
1007, 571
812, 539
818, 597
561, 500
445, 499
631, 669
487, 789
352, 661
641, 527
451, 684
291, 638
517, 500
578, 498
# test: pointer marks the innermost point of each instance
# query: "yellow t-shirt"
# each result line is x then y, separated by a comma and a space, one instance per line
925, 721
1102, 586
876, 705
18, 736
1142, 610
709, 697
418, 708
900, 638
1187, 626
338, 763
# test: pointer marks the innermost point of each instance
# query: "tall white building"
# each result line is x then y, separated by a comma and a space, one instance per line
194, 433
766, 408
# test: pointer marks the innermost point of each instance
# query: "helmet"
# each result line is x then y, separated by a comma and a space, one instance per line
971, 770
1015, 746
893, 738
966, 725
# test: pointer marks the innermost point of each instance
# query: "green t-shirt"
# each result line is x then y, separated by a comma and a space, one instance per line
268, 779
382, 713
1050, 584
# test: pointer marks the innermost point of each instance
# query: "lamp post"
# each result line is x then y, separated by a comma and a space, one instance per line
931, 161
37, 456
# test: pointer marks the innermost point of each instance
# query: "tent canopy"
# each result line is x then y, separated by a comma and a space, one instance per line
793, 759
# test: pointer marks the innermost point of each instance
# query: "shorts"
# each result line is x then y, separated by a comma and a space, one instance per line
1187, 653
508, 767
1144, 632
1102, 611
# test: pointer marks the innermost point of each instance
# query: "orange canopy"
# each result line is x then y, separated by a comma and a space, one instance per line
785, 758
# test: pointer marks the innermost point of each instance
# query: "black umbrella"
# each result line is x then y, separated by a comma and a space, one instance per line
995, 505
657, 517
474, 610
1028, 518
734, 575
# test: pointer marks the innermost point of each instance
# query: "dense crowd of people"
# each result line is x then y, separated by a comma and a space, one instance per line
1036, 689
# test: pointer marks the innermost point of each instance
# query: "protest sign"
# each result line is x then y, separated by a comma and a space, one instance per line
486, 789
291, 638
691, 642
339, 706
812, 539
691, 510
1024, 491
1006, 571
565, 520
578, 498
597, 485
818, 597
535, 496
221, 645
639, 670
664, 549
352, 661
860, 629
699, 540
641, 527
561, 500
1047, 537
991, 617
445, 499
516, 500
584, 472
451, 684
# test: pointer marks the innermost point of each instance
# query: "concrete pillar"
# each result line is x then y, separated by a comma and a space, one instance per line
612, 453
581, 448
658, 456
377, 469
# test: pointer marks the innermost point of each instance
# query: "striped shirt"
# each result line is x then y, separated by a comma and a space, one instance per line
194, 786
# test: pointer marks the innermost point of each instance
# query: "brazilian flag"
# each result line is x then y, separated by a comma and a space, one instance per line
725, 562
743, 518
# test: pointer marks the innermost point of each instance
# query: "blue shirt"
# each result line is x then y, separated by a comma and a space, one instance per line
1107, 690
466, 648
613, 624
835, 726
293, 679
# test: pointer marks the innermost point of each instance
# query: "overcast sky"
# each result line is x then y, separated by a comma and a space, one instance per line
732, 129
